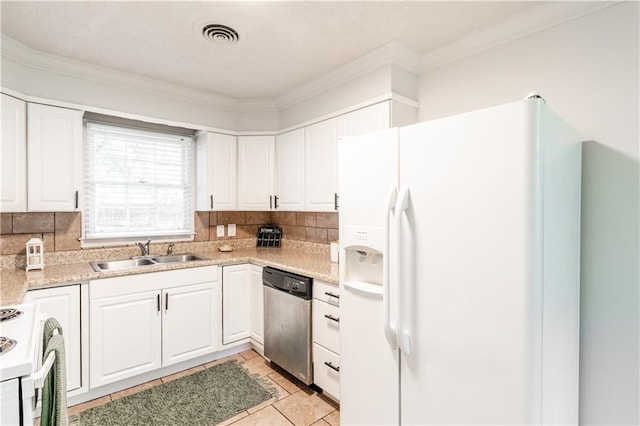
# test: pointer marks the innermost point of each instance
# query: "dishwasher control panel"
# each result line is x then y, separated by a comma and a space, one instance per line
296, 285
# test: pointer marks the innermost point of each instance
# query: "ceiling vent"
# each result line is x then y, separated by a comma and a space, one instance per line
220, 34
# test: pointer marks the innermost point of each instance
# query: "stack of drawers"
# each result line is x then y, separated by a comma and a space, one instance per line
326, 338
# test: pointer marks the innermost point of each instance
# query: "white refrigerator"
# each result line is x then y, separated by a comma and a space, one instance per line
459, 270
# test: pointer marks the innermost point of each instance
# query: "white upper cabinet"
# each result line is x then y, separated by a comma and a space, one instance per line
321, 159
290, 176
255, 172
321, 181
13, 155
216, 157
365, 120
54, 146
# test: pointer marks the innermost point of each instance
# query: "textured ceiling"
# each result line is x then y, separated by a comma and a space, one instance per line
283, 45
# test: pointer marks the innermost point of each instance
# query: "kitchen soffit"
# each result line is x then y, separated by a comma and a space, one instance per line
282, 47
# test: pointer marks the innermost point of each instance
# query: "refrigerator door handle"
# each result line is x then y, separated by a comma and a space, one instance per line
389, 332
403, 335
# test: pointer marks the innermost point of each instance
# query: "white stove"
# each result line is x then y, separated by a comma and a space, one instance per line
19, 359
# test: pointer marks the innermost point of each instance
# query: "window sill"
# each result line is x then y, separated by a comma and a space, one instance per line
87, 243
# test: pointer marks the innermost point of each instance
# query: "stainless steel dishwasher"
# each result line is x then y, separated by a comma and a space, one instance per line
287, 322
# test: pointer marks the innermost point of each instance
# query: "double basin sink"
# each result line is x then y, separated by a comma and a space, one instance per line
144, 261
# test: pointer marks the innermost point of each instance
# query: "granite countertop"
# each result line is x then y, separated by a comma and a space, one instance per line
14, 283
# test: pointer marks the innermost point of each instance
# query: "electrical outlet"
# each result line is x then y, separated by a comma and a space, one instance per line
232, 230
220, 230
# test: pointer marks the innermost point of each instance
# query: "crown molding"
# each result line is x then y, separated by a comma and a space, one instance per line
26, 56
541, 17
389, 54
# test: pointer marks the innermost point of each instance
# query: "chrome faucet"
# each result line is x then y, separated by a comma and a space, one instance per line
170, 249
144, 248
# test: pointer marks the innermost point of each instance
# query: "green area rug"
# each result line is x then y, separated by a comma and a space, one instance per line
203, 398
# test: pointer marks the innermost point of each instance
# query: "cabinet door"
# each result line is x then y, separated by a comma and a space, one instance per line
255, 172
54, 144
216, 159
290, 171
321, 180
373, 118
326, 325
257, 304
236, 314
125, 337
190, 322
63, 304
13, 158
326, 370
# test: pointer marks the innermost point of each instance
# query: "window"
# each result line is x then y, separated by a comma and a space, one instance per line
137, 184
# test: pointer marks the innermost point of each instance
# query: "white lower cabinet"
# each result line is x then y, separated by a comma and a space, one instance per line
242, 304
236, 312
188, 322
63, 304
326, 337
257, 304
125, 337
326, 370
140, 323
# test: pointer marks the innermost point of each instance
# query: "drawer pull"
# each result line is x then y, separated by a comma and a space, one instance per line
328, 293
332, 318
331, 366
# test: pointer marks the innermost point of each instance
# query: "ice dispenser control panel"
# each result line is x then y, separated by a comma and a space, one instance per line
361, 236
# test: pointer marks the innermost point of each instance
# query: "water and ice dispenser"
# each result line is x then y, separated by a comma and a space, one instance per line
362, 255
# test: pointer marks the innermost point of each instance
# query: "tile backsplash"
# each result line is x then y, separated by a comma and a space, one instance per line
60, 230
303, 226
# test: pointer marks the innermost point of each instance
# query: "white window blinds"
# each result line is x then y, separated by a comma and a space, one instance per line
137, 183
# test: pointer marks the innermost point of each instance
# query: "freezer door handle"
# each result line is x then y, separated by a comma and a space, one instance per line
403, 333
389, 331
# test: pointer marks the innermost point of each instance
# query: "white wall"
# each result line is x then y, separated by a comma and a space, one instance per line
370, 85
380, 81
67, 88
588, 72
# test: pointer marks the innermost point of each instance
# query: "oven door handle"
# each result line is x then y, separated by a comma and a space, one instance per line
32, 383
39, 376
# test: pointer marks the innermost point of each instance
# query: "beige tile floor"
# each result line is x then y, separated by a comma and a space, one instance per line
295, 404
